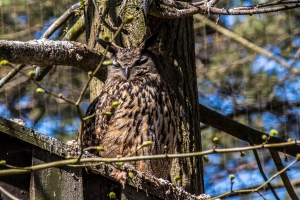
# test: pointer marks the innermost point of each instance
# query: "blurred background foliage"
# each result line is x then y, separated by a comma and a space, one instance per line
232, 79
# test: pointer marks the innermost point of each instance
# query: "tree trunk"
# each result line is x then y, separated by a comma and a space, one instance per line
176, 46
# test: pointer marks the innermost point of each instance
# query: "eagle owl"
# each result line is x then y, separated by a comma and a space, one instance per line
147, 110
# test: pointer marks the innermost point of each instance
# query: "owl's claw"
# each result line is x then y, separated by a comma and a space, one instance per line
119, 175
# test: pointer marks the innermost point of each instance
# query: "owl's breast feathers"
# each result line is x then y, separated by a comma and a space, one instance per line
145, 113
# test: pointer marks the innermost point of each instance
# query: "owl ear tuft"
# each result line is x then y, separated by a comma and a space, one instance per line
112, 47
149, 42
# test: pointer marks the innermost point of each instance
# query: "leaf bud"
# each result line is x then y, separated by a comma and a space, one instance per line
115, 104
105, 37
273, 132
100, 148
40, 90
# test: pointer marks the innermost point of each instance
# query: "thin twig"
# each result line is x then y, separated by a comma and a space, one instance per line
261, 186
6, 193
23, 170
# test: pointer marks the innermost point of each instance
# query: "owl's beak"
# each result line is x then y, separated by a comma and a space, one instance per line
127, 72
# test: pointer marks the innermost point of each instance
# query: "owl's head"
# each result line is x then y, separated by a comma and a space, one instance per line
131, 64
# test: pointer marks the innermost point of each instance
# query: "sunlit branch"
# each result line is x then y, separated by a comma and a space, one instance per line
76, 30
261, 186
61, 20
22, 170
208, 8
240, 131
284, 177
11, 74
9, 195
245, 42
48, 52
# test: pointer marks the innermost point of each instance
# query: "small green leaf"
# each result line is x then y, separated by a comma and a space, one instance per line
120, 163
2, 162
107, 62
129, 19
4, 62
40, 90
31, 73
115, 104
105, 37
107, 113
100, 148
112, 195
216, 140
130, 175
273, 132
264, 137
147, 143
231, 176
177, 178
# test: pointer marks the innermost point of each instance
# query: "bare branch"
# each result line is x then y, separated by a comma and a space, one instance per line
48, 52
285, 179
208, 8
59, 22
240, 131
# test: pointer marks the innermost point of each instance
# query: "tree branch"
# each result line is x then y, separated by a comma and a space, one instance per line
204, 7
240, 131
284, 177
48, 52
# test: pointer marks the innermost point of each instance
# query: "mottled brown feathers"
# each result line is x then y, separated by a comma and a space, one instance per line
148, 111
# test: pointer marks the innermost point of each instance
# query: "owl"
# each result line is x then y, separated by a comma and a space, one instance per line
147, 111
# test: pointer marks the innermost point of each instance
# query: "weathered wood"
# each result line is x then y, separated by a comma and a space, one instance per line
33, 137
16, 153
21, 146
54, 183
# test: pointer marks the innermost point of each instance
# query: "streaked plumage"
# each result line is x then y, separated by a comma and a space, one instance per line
148, 110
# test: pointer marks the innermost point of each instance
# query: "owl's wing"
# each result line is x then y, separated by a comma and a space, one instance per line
95, 127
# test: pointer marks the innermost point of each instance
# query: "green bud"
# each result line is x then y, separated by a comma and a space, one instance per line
31, 73
129, 19
90, 73
107, 113
105, 37
107, 62
264, 137
205, 158
273, 132
231, 176
147, 143
60, 95
115, 104
100, 148
120, 163
40, 90
112, 195
130, 175
69, 157
3, 62
290, 140
216, 140
2, 162
82, 2
177, 178
298, 156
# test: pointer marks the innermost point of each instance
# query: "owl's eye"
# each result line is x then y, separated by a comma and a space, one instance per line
116, 64
143, 59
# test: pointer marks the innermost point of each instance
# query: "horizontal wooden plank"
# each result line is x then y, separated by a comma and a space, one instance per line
35, 138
